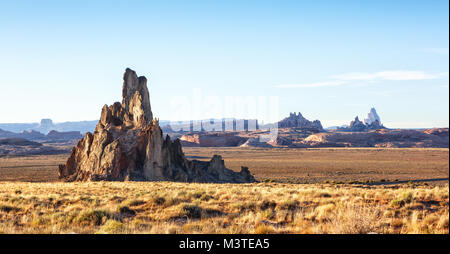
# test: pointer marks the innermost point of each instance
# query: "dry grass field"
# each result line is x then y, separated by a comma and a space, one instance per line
342, 191
166, 207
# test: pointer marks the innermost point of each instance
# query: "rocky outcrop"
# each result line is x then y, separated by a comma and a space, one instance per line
32, 135
380, 138
254, 142
52, 136
19, 142
216, 139
128, 144
298, 121
440, 132
357, 125
66, 135
24, 147
372, 117
6, 134
369, 124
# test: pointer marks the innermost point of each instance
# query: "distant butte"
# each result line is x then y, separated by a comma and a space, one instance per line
298, 121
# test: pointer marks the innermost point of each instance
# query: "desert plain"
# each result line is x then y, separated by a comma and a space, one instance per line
320, 190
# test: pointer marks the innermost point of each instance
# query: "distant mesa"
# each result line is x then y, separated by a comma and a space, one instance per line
47, 125
128, 144
298, 121
24, 147
18, 142
52, 136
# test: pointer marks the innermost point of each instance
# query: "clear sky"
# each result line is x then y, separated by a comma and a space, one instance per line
330, 60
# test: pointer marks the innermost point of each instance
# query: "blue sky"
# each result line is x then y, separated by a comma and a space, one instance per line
330, 60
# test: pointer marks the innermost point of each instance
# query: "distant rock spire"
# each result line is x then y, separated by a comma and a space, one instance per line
135, 96
372, 116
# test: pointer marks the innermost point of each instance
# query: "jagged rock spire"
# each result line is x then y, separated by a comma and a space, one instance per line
128, 144
298, 121
135, 97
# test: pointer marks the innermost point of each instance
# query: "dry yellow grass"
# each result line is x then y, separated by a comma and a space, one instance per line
165, 207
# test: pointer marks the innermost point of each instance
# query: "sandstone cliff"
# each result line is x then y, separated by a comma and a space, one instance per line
128, 144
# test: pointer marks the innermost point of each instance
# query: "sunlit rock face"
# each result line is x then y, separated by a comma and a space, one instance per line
372, 117
128, 144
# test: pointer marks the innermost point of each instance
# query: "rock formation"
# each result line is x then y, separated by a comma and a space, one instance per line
24, 147
373, 122
298, 121
52, 136
372, 117
128, 144
357, 125
213, 139
380, 138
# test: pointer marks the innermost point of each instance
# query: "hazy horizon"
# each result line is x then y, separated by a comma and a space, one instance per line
329, 60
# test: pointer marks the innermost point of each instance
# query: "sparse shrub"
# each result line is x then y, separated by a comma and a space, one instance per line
159, 200
443, 222
407, 197
251, 205
171, 230
112, 227
397, 203
93, 217
125, 211
353, 219
172, 201
192, 211
289, 204
266, 204
192, 228
39, 221
397, 223
206, 197
322, 195
267, 214
240, 206
324, 212
134, 202
197, 194
264, 229
139, 224
404, 198
8, 208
